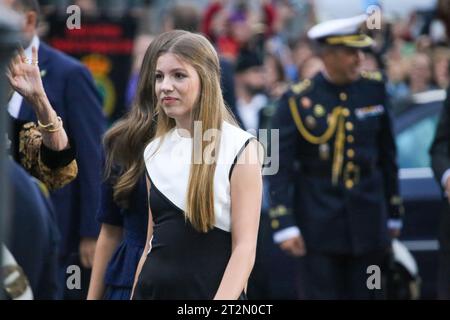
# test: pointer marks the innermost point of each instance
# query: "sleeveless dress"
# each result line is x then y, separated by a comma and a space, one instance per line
183, 263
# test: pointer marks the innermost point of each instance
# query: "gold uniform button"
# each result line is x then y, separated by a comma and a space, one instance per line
349, 184
350, 153
319, 110
275, 224
346, 112
350, 165
350, 139
311, 122
349, 126
343, 96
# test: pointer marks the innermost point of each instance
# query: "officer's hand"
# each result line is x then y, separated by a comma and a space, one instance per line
395, 232
87, 251
447, 189
294, 246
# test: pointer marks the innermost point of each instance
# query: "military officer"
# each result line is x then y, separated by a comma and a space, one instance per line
440, 162
335, 197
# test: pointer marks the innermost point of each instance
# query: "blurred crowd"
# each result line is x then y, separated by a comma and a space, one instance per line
411, 52
263, 50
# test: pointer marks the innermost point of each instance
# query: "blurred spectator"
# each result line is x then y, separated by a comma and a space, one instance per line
88, 7
249, 86
423, 44
420, 73
140, 45
441, 68
420, 21
226, 67
311, 67
182, 16
396, 87
275, 77
443, 12
229, 28
370, 62
438, 33
293, 18
301, 52
216, 25
400, 30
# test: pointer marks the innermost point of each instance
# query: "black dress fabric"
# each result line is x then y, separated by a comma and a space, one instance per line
183, 263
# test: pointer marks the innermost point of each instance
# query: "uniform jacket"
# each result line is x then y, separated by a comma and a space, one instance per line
338, 175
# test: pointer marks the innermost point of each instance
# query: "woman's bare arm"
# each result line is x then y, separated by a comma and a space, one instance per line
246, 196
107, 242
147, 244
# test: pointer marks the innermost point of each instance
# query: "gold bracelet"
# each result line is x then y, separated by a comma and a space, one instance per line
51, 126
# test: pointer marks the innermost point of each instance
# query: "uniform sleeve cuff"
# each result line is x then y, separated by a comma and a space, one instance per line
57, 159
286, 234
395, 224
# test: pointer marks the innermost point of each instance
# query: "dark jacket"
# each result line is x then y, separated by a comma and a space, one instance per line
338, 175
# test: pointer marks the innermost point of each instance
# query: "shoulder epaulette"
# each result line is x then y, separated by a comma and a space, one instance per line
372, 75
301, 86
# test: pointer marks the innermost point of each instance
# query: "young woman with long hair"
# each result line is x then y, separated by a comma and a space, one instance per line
203, 175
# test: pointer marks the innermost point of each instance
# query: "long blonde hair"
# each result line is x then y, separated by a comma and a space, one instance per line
127, 139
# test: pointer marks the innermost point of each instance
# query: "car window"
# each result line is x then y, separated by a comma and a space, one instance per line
414, 142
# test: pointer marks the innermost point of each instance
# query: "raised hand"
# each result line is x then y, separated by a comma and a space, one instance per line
25, 78
24, 75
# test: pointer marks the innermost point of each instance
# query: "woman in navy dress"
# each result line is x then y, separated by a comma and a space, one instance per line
120, 243
203, 175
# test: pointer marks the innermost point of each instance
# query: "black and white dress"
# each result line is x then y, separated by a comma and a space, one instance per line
183, 263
